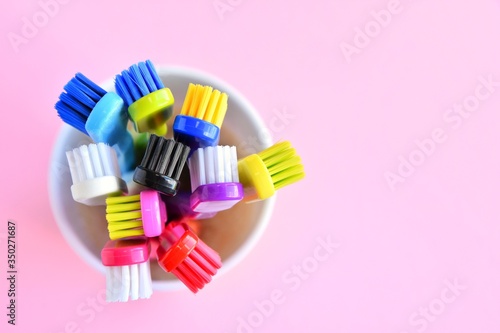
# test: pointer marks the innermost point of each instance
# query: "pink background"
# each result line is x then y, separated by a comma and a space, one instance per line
351, 119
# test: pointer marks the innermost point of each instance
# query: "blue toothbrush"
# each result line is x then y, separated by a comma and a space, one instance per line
98, 114
149, 103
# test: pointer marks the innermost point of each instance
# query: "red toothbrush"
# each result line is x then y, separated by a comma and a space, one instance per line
182, 253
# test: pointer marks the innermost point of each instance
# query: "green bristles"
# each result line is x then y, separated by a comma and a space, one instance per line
283, 164
124, 216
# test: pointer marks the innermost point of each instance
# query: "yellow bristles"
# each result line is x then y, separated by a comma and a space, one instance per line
124, 215
283, 164
203, 102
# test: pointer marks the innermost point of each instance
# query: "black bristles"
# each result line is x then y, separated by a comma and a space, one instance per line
174, 157
165, 157
149, 151
182, 161
155, 158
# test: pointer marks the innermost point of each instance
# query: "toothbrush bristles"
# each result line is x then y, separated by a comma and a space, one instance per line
124, 216
182, 153
138, 81
165, 156
203, 102
283, 164
92, 161
210, 165
199, 267
149, 152
124, 283
123, 203
76, 104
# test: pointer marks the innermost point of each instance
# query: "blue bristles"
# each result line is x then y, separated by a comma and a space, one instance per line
74, 105
138, 81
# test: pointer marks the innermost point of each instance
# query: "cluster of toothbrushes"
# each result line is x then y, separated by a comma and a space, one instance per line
219, 180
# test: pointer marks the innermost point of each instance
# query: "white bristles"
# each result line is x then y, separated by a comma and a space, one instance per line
134, 285
213, 165
126, 280
219, 166
72, 167
146, 286
124, 283
210, 164
234, 165
92, 161
88, 167
109, 284
94, 156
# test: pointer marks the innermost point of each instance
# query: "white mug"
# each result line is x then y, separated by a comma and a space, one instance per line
232, 233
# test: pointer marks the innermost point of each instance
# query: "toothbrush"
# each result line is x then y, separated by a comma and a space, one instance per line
198, 124
143, 214
128, 274
214, 179
98, 114
149, 103
162, 165
95, 174
264, 173
182, 253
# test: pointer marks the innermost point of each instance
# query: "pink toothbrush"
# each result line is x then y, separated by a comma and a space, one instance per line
128, 274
